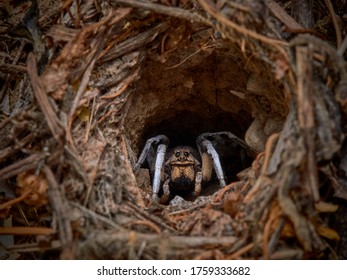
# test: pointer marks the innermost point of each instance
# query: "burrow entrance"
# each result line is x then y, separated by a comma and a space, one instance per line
188, 100
206, 94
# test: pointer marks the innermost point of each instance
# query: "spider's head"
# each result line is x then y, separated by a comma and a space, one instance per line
182, 156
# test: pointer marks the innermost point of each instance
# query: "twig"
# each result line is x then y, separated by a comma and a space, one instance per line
26, 164
343, 47
6, 152
283, 16
16, 200
147, 223
276, 236
306, 116
191, 208
123, 85
75, 162
60, 208
184, 60
150, 217
132, 43
289, 254
227, 188
235, 26
12, 69
274, 215
241, 251
96, 216
165, 10
26, 231
289, 208
263, 178
335, 22
33, 247
173, 240
42, 99
90, 120
272, 140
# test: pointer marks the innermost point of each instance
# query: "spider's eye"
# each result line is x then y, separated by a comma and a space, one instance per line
186, 154
177, 154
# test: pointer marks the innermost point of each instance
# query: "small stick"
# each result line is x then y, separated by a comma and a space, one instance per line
147, 223
20, 166
335, 23
60, 208
240, 252
306, 117
26, 231
235, 26
11, 202
227, 188
43, 101
275, 214
153, 218
161, 9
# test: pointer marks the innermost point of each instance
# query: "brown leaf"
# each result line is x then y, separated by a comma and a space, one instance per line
328, 233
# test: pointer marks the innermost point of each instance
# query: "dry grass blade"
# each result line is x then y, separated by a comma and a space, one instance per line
42, 99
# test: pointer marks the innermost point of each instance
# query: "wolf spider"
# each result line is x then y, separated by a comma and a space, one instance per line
185, 169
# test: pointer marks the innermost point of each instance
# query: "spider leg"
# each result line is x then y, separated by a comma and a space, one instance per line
159, 162
206, 147
161, 141
166, 192
206, 144
147, 148
227, 138
198, 180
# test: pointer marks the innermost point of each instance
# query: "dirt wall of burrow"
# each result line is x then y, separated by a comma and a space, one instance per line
211, 91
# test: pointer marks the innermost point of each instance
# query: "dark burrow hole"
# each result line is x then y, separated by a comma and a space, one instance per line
205, 94
183, 129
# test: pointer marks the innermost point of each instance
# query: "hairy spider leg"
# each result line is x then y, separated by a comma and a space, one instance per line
209, 148
206, 142
222, 135
198, 180
159, 162
162, 142
160, 139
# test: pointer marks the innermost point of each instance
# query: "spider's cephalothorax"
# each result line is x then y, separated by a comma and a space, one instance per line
184, 168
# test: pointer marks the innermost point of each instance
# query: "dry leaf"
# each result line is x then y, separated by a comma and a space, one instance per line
328, 233
35, 186
322, 206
